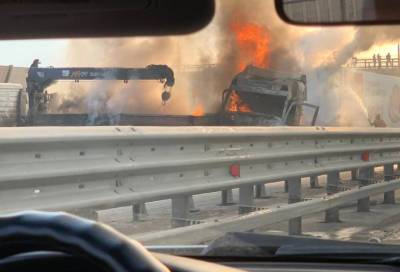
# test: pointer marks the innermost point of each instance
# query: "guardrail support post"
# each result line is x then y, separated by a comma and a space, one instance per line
389, 197
354, 174
227, 197
286, 186
332, 215
314, 182
138, 209
294, 191
261, 191
365, 175
192, 206
180, 211
246, 199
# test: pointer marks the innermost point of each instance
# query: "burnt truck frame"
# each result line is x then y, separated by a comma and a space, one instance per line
275, 99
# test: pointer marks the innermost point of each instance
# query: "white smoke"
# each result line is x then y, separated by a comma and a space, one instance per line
340, 105
96, 102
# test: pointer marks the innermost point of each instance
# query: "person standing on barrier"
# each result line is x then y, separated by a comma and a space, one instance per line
354, 60
379, 122
388, 59
379, 60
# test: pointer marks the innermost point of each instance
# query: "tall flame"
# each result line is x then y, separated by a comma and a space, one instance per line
253, 43
236, 104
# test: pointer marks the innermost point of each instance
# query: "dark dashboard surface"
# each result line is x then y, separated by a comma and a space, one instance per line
46, 261
302, 267
205, 264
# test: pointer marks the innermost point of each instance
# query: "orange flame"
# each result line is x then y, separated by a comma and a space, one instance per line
253, 43
198, 111
236, 104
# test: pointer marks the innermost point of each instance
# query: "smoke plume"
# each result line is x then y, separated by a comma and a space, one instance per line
340, 105
217, 44
317, 52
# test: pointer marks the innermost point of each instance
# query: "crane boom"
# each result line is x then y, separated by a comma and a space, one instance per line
46, 76
40, 78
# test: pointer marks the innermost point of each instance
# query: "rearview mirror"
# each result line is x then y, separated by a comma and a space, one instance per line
336, 12
24, 19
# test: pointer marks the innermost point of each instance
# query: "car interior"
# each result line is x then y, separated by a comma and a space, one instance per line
58, 241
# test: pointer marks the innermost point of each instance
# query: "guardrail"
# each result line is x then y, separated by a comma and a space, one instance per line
383, 63
199, 234
69, 168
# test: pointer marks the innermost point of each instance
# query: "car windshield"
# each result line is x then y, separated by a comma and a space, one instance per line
249, 125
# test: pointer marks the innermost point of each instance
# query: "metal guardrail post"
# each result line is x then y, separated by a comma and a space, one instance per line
314, 182
227, 197
294, 195
180, 211
261, 191
333, 181
192, 206
365, 176
246, 199
354, 174
138, 209
206, 232
389, 197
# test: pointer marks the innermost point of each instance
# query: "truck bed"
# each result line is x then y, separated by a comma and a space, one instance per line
125, 120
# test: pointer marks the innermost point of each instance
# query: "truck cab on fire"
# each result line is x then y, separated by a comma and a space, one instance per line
267, 98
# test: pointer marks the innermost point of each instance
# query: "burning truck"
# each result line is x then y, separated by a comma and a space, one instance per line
255, 97
266, 98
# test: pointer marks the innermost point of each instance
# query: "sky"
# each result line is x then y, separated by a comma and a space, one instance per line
382, 50
54, 52
23, 52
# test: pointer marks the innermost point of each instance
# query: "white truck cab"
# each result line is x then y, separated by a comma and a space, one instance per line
13, 104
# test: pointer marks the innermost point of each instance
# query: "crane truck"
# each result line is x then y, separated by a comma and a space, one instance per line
40, 78
255, 97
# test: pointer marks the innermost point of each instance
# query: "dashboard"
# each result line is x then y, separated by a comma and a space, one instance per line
180, 264
45, 241
303, 267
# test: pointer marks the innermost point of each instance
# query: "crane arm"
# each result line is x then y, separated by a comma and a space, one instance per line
40, 78
46, 76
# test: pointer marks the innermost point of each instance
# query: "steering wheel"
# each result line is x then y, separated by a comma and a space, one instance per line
61, 232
